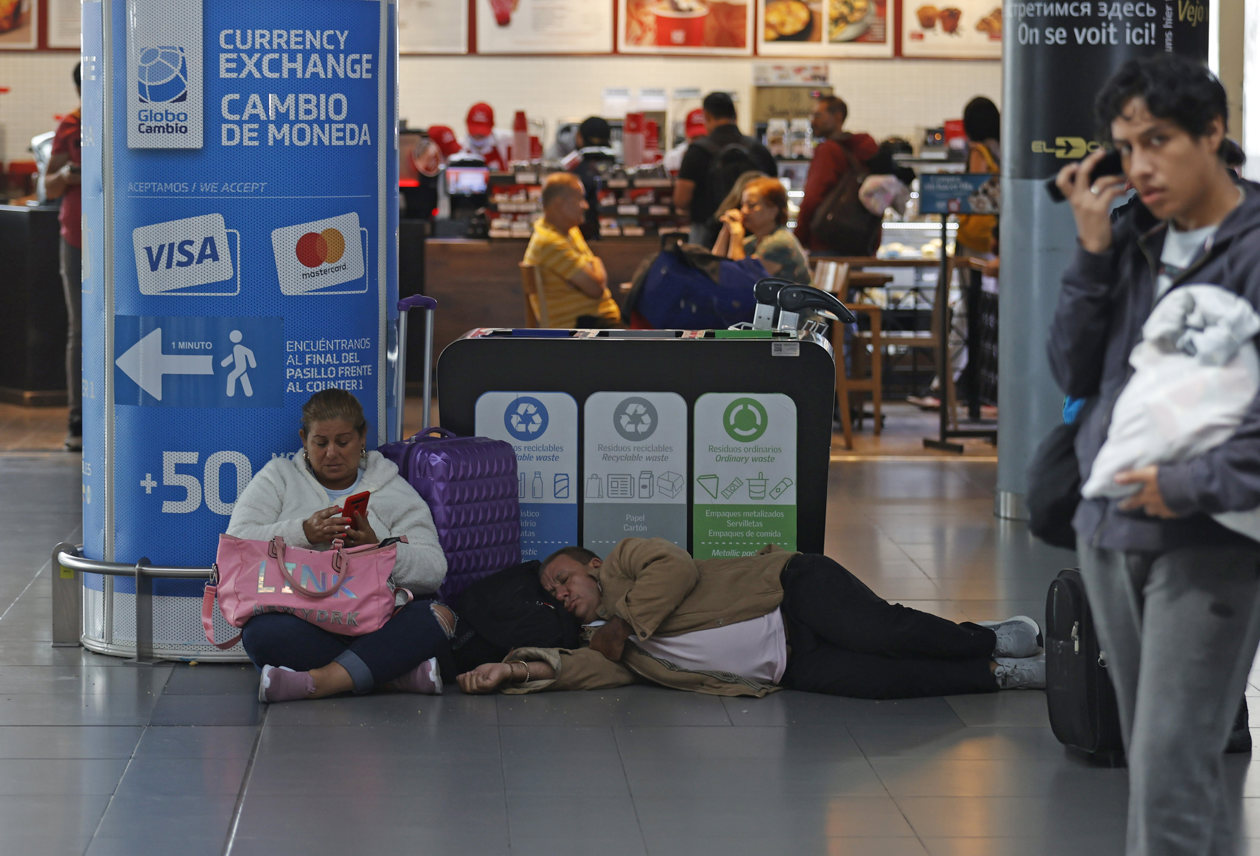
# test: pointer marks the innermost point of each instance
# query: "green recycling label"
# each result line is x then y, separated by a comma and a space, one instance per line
744, 465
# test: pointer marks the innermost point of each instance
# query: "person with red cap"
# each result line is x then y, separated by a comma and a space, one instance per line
483, 140
437, 149
693, 127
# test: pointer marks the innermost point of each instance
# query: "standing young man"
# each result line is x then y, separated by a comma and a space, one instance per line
591, 161
1176, 596
838, 152
712, 164
62, 179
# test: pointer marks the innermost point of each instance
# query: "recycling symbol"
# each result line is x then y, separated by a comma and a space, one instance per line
745, 419
526, 418
635, 418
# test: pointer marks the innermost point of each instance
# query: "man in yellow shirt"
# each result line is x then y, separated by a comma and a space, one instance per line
575, 284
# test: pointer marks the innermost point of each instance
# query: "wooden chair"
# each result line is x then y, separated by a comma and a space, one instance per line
834, 277
534, 298
922, 339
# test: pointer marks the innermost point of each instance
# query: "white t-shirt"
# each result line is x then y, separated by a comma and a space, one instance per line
1180, 249
755, 649
335, 496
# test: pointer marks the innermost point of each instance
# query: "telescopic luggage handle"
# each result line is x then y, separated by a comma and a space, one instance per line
766, 295
405, 305
796, 298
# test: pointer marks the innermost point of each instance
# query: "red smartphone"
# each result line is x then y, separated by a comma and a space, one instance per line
355, 504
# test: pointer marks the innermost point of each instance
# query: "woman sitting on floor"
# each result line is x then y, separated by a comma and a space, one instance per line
299, 497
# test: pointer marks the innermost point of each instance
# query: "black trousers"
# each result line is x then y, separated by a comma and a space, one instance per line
846, 640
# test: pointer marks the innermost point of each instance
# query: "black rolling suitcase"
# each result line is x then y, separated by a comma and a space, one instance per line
1079, 696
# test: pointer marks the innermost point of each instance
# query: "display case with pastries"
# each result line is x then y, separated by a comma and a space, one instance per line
631, 203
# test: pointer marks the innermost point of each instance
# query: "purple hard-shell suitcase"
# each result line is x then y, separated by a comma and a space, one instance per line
469, 483
470, 486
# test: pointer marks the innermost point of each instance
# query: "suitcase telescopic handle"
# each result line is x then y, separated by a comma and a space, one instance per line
405, 305
416, 301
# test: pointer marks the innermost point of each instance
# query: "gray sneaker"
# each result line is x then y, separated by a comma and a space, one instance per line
1018, 636
1021, 673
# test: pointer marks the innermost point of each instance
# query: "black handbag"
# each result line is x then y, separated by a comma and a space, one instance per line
1054, 486
509, 609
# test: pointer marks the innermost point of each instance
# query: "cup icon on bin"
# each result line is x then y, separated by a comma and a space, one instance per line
757, 486
680, 23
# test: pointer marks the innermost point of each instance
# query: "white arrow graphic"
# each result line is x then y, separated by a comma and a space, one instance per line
145, 363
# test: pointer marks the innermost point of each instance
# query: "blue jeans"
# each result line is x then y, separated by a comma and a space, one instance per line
1179, 631
410, 637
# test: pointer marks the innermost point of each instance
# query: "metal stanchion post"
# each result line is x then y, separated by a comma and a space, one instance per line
67, 599
144, 615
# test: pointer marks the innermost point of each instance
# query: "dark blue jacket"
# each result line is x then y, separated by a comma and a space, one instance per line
1105, 299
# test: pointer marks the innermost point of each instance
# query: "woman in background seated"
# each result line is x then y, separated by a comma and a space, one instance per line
300, 497
756, 229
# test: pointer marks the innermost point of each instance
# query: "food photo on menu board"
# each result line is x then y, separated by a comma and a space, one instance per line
956, 28
544, 26
800, 26
705, 26
432, 26
17, 24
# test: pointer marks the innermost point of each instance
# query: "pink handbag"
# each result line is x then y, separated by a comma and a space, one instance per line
343, 591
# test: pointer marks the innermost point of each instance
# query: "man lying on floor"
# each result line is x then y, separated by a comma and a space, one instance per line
749, 625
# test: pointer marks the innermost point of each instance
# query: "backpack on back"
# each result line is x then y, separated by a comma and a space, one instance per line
726, 164
841, 223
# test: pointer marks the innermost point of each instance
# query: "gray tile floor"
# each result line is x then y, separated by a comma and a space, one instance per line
101, 757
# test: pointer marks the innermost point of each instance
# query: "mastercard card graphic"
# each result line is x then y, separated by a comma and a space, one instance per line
320, 256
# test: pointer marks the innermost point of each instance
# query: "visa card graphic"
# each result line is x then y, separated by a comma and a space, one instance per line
181, 256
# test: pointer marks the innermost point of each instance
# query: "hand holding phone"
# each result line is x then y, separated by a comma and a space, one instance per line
1109, 165
355, 504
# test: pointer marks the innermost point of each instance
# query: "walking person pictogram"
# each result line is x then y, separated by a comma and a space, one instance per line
241, 360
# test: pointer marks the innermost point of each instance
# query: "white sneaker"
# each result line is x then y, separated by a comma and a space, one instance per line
1021, 673
1018, 636
280, 683
425, 679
